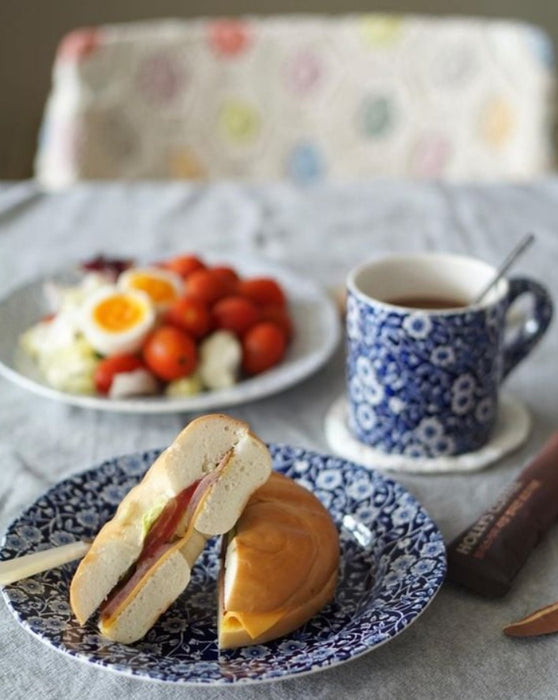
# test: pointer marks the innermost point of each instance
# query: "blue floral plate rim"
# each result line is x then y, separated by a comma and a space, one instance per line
383, 587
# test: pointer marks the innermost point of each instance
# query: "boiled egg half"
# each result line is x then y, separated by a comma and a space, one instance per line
163, 287
116, 320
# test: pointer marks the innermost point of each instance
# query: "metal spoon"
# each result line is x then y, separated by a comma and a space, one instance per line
519, 249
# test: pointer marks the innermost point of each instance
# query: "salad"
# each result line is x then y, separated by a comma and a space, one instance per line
178, 327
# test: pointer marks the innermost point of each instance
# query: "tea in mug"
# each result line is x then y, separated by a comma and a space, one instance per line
427, 302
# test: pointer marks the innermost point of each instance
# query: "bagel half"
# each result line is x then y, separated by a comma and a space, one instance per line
280, 565
140, 561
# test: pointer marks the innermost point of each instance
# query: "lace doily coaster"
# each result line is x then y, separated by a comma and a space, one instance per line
510, 432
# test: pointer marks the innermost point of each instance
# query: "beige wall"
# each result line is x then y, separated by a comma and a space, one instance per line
31, 29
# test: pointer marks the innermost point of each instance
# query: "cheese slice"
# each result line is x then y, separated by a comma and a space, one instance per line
254, 623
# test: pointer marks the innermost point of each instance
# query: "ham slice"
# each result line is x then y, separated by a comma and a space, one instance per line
176, 516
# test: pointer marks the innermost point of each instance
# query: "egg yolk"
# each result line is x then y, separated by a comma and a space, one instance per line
159, 290
118, 313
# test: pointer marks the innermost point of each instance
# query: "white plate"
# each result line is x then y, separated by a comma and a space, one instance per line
317, 332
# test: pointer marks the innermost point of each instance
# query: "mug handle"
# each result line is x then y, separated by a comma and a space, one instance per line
534, 326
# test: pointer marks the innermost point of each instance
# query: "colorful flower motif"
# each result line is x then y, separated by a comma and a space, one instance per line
417, 325
184, 164
239, 121
377, 116
160, 78
497, 122
79, 44
229, 37
430, 156
304, 72
380, 30
305, 163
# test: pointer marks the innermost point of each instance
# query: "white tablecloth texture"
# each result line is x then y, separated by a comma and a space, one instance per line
456, 648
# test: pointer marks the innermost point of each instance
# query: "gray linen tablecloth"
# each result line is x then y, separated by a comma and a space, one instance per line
456, 649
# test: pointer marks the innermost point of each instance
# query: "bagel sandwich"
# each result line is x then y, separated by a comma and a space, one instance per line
140, 561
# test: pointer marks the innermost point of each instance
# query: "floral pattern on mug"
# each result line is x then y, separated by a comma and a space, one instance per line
421, 383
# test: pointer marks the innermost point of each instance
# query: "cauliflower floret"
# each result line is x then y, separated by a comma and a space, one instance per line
70, 368
220, 359
47, 337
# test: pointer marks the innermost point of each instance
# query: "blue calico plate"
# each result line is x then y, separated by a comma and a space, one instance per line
392, 564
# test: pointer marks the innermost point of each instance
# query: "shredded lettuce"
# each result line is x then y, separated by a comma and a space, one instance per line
149, 518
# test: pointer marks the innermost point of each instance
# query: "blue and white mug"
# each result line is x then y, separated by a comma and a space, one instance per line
424, 381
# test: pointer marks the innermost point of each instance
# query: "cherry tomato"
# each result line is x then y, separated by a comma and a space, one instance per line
280, 316
263, 291
170, 353
190, 315
184, 265
117, 364
235, 314
227, 274
207, 286
263, 346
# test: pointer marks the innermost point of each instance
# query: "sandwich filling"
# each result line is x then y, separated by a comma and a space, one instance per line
170, 530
